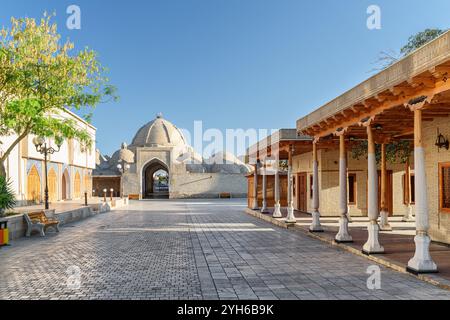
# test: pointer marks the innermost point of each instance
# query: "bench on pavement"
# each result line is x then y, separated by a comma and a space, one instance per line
225, 195
40, 222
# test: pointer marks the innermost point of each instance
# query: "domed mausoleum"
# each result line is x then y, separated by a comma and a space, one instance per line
159, 163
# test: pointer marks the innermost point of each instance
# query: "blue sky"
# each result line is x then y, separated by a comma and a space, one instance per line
230, 63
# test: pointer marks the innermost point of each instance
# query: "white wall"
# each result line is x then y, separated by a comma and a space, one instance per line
70, 155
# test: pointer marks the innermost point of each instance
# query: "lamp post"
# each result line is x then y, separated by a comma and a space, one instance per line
111, 193
123, 167
42, 148
104, 195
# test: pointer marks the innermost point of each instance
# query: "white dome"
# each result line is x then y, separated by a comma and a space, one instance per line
159, 133
224, 158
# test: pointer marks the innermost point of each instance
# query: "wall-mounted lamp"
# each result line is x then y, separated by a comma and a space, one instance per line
378, 127
441, 141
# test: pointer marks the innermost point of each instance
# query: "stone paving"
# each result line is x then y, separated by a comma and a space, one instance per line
191, 249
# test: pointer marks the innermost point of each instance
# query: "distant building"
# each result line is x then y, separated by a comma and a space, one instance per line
69, 169
159, 147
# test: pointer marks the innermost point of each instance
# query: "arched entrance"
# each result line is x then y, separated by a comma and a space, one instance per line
155, 184
65, 185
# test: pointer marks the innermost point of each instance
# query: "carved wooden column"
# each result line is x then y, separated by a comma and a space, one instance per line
315, 225
422, 261
372, 245
277, 207
264, 189
408, 207
290, 209
343, 235
255, 188
384, 213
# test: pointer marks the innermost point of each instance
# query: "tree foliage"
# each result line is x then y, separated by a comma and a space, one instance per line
420, 39
389, 57
7, 198
41, 77
396, 152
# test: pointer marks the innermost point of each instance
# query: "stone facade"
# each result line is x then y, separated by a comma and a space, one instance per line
69, 169
329, 183
439, 221
160, 145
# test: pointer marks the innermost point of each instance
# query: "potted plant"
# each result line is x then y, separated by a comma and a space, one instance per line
7, 198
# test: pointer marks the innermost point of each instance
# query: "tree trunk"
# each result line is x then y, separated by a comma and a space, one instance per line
2, 169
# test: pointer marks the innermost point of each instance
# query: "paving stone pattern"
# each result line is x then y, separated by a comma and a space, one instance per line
190, 249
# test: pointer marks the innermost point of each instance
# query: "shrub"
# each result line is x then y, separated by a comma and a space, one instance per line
7, 198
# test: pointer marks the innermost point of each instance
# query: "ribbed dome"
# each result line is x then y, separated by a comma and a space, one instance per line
158, 132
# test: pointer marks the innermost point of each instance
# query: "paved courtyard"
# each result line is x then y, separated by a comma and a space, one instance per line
193, 249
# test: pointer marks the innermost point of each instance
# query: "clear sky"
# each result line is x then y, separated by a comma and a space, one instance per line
230, 63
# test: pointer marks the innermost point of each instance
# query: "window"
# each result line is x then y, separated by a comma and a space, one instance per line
311, 186
411, 188
444, 187
352, 188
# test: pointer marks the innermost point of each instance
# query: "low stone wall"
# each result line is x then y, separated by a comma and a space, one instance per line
174, 195
207, 185
17, 225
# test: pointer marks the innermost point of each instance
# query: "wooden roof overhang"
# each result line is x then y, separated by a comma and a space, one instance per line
384, 98
278, 145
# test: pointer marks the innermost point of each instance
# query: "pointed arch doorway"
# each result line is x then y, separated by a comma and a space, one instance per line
65, 182
155, 184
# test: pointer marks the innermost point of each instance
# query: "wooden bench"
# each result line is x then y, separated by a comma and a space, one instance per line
39, 221
225, 195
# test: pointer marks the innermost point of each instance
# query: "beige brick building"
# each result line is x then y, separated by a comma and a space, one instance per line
407, 103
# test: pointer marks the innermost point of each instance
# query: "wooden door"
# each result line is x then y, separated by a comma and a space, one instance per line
389, 191
64, 186
302, 195
52, 185
77, 186
87, 184
34, 185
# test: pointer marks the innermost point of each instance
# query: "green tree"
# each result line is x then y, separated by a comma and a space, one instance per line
387, 58
396, 152
420, 39
40, 77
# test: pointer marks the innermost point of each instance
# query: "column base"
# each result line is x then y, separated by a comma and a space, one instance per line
343, 235
277, 211
372, 246
384, 222
254, 205
422, 261
315, 225
264, 207
408, 217
349, 218
290, 215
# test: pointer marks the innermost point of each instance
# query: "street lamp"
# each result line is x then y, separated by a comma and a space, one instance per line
104, 195
42, 148
123, 167
111, 193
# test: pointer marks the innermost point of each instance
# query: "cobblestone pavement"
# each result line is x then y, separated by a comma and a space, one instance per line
193, 249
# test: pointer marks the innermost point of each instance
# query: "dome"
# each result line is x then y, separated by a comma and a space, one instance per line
224, 158
159, 133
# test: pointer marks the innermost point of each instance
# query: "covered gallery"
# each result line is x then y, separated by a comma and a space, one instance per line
405, 105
